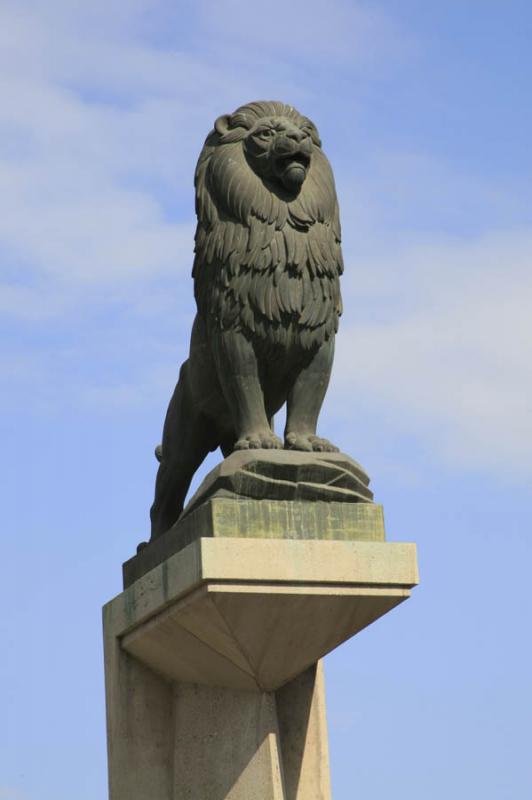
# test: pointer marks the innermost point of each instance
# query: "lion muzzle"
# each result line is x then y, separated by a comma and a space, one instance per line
292, 160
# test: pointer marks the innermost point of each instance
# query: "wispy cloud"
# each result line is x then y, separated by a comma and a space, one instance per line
87, 182
447, 355
8, 793
303, 29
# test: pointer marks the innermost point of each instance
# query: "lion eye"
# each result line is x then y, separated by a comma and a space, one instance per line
266, 134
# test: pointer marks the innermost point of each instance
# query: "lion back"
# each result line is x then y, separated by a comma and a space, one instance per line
263, 265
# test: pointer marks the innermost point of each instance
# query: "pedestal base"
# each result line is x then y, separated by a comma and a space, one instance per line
178, 741
213, 676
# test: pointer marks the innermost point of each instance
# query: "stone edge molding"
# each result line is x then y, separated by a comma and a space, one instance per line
262, 561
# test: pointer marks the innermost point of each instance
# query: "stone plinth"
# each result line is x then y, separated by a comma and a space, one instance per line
223, 518
213, 673
272, 494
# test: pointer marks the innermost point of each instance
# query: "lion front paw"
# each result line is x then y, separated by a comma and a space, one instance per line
261, 440
309, 442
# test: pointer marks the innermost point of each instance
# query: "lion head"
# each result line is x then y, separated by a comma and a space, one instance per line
278, 141
268, 254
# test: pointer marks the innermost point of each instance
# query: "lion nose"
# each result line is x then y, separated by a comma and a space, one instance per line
289, 142
296, 135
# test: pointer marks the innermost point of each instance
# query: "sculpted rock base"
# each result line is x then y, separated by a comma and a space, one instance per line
285, 475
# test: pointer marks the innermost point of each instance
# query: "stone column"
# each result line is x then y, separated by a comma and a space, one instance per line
214, 681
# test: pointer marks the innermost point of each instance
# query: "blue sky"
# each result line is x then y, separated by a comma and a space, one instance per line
424, 110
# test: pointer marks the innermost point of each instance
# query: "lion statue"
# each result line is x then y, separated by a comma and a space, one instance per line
266, 283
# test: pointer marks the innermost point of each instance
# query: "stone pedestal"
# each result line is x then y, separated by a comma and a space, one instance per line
214, 681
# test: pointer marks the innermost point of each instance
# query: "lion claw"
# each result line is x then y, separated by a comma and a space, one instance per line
309, 443
263, 440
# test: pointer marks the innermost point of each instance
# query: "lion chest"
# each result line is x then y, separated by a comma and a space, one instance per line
279, 305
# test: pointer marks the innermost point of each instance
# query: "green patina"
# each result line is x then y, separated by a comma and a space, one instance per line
282, 519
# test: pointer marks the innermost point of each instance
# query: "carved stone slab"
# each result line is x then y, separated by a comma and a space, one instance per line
285, 475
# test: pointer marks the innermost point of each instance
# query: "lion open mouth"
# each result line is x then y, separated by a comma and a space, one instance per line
292, 169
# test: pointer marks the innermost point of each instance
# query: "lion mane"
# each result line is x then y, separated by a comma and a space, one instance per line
266, 263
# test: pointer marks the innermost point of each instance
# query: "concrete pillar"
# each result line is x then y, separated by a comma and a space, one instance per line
214, 680
181, 741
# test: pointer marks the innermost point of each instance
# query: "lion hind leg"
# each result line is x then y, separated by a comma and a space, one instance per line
187, 439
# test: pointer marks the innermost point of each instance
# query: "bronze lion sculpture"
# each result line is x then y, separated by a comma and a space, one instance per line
266, 283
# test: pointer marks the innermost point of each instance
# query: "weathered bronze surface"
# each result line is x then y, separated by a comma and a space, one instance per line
266, 282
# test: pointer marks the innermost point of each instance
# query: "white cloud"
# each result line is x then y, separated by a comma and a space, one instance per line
447, 355
344, 31
8, 793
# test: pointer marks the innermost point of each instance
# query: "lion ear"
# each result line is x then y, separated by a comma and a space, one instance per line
221, 125
228, 134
